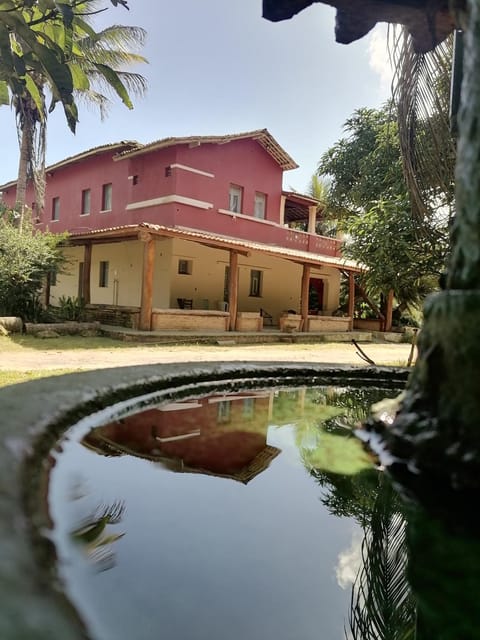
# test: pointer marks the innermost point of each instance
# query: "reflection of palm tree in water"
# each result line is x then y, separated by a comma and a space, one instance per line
92, 534
382, 605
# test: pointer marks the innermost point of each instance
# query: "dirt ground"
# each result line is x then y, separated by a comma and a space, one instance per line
332, 353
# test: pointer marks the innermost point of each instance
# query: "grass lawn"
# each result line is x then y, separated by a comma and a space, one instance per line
13, 377
17, 342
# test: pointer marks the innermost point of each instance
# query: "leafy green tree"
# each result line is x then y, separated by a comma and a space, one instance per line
369, 195
386, 239
365, 165
26, 258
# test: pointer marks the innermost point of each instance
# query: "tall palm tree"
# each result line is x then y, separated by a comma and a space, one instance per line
97, 63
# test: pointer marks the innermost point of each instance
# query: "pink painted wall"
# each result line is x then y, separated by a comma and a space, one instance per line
68, 182
241, 162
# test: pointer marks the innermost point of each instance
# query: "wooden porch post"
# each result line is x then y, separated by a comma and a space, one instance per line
312, 219
351, 299
145, 322
283, 199
304, 296
87, 268
389, 311
233, 289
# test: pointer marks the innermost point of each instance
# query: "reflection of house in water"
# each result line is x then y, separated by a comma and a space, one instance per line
223, 435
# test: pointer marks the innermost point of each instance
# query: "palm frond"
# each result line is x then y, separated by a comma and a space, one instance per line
119, 37
421, 93
382, 605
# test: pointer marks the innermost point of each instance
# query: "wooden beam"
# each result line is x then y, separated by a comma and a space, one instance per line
312, 219
304, 296
389, 311
283, 200
145, 322
87, 268
233, 289
351, 299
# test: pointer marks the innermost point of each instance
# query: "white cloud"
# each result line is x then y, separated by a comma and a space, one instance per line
379, 59
349, 561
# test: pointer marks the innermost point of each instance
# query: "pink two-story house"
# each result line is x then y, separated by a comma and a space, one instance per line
192, 233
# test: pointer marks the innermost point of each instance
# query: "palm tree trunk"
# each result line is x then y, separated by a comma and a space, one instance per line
26, 138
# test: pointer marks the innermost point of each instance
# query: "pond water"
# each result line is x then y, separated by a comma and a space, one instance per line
239, 515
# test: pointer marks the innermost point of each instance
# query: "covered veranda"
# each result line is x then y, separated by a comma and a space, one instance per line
229, 315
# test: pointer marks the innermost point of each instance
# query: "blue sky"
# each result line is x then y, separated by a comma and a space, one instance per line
218, 67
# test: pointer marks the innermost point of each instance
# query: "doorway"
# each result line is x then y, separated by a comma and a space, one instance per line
315, 295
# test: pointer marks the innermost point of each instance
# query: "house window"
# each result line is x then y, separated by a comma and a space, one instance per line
56, 208
185, 267
248, 408
255, 283
103, 274
260, 205
235, 198
85, 202
52, 278
223, 411
107, 197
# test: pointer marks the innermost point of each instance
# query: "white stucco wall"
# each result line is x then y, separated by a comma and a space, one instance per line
67, 281
281, 279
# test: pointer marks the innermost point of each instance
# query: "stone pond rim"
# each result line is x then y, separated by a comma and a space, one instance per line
35, 414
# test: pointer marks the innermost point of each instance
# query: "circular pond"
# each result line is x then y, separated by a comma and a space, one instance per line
236, 514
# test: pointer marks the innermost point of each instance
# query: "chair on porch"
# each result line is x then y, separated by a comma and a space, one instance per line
266, 316
185, 303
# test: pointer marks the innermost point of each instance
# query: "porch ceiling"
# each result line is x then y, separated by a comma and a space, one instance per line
297, 204
243, 247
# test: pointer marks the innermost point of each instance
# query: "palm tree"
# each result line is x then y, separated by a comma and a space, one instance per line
97, 63
319, 188
421, 91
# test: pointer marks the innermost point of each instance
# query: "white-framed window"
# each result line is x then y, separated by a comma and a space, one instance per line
223, 411
255, 283
185, 267
235, 196
56, 208
86, 199
260, 205
248, 408
103, 274
107, 197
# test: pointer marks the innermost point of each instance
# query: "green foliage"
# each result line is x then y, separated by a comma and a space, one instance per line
94, 62
36, 37
369, 194
70, 308
26, 258
386, 239
366, 165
